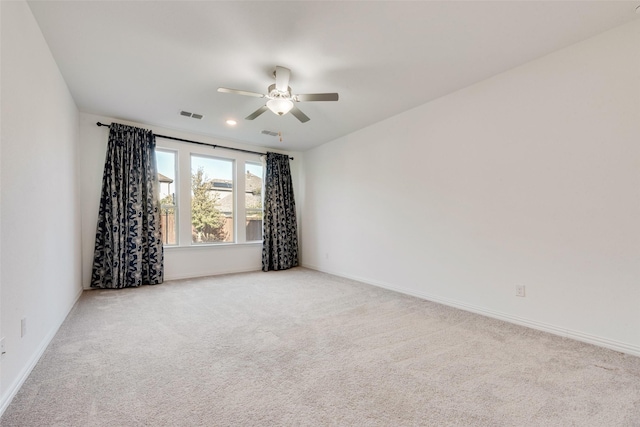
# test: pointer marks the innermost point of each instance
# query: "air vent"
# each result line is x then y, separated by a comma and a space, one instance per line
270, 133
192, 115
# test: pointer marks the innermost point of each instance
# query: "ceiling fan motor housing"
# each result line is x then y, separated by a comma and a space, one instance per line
274, 93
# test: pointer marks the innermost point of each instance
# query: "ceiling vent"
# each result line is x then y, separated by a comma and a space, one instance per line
192, 115
270, 133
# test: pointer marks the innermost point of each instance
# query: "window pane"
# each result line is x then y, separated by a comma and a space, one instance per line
166, 162
253, 201
211, 200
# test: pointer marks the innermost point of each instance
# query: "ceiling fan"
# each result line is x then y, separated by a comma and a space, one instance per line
280, 99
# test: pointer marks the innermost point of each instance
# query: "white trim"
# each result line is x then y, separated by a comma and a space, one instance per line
26, 371
533, 324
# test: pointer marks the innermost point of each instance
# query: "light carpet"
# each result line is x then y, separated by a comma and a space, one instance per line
303, 348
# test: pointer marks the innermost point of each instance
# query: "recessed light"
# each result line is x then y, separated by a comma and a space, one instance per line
231, 122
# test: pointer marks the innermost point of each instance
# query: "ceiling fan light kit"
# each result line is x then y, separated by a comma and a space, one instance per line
280, 99
280, 106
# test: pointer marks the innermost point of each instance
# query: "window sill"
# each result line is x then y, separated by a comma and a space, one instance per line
213, 246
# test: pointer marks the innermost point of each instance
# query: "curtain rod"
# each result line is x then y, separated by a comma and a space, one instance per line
202, 143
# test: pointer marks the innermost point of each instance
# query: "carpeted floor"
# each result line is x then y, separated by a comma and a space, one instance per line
302, 348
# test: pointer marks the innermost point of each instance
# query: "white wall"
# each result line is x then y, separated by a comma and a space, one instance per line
530, 177
40, 216
180, 262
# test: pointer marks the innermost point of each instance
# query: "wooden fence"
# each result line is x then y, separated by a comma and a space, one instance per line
168, 224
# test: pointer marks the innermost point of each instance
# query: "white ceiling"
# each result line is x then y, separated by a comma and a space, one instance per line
145, 61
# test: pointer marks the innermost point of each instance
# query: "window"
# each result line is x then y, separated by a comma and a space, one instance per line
253, 201
211, 199
166, 162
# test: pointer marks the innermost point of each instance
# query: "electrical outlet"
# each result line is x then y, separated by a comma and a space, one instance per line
520, 291
23, 327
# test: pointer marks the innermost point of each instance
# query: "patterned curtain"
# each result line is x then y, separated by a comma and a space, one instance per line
280, 240
128, 250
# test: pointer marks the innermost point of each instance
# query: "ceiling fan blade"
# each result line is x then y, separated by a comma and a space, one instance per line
282, 78
240, 92
316, 97
299, 114
257, 113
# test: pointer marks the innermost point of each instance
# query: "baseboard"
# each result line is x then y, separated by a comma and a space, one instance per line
192, 276
217, 273
33, 361
622, 347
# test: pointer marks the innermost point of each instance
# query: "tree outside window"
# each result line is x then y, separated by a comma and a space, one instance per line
207, 220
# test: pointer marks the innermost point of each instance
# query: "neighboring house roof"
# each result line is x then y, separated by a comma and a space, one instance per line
162, 178
253, 183
253, 192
